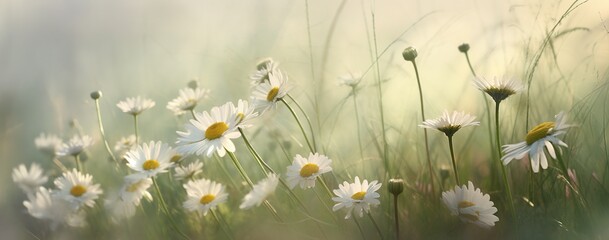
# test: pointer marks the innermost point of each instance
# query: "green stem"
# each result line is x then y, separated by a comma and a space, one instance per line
166, 210
452, 157
429, 164
192, 112
323, 183
213, 213
396, 217
359, 134
469, 64
506, 183
240, 169
308, 121
299, 124
263, 165
137, 136
77, 161
380, 92
361, 231
378, 229
103, 134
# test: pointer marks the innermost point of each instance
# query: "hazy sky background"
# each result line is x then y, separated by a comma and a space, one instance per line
53, 53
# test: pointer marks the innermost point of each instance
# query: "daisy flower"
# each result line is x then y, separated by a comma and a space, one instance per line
498, 88
450, 124
134, 189
260, 192
48, 144
304, 171
350, 80
203, 195
77, 189
44, 205
268, 93
244, 113
544, 135
210, 132
357, 196
188, 172
135, 106
150, 159
264, 67
29, 181
124, 145
75, 146
187, 100
471, 205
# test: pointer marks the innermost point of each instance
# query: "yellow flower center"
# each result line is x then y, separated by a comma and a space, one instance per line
240, 117
135, 186
215, 130
207, 199
272, 94
465, 204
358, 195
309, 169
176, 158
78, 190
150, 164
539, 132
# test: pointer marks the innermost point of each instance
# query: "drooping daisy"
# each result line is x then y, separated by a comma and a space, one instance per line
350, 80
471, 205
188, 172
209, 132
449, 124
244, 112
124, 145
498, 88
544, 135
136, 105
75, 146
135, 188
264, 67
187, 100
44, 205
48, 144
268, 93
260, 192
304, 171
357, 196
150, 159
29, 181
77, 189
203, 195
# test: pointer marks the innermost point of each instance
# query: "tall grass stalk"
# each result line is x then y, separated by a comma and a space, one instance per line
380, 95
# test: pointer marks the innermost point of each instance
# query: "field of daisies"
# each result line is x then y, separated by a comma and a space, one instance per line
304, 120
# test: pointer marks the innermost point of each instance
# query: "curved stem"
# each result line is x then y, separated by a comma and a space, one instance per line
361, 231
380, 92
166, 210
103, 134
213, 213
192, 112
429, 165
506, 183
378, 229
452, 157
469, 64
299, 124
263, 165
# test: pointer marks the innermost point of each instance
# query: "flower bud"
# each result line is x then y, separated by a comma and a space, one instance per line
409, 54
396, 186
464, 48
263, 63
96, 95
193, 84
